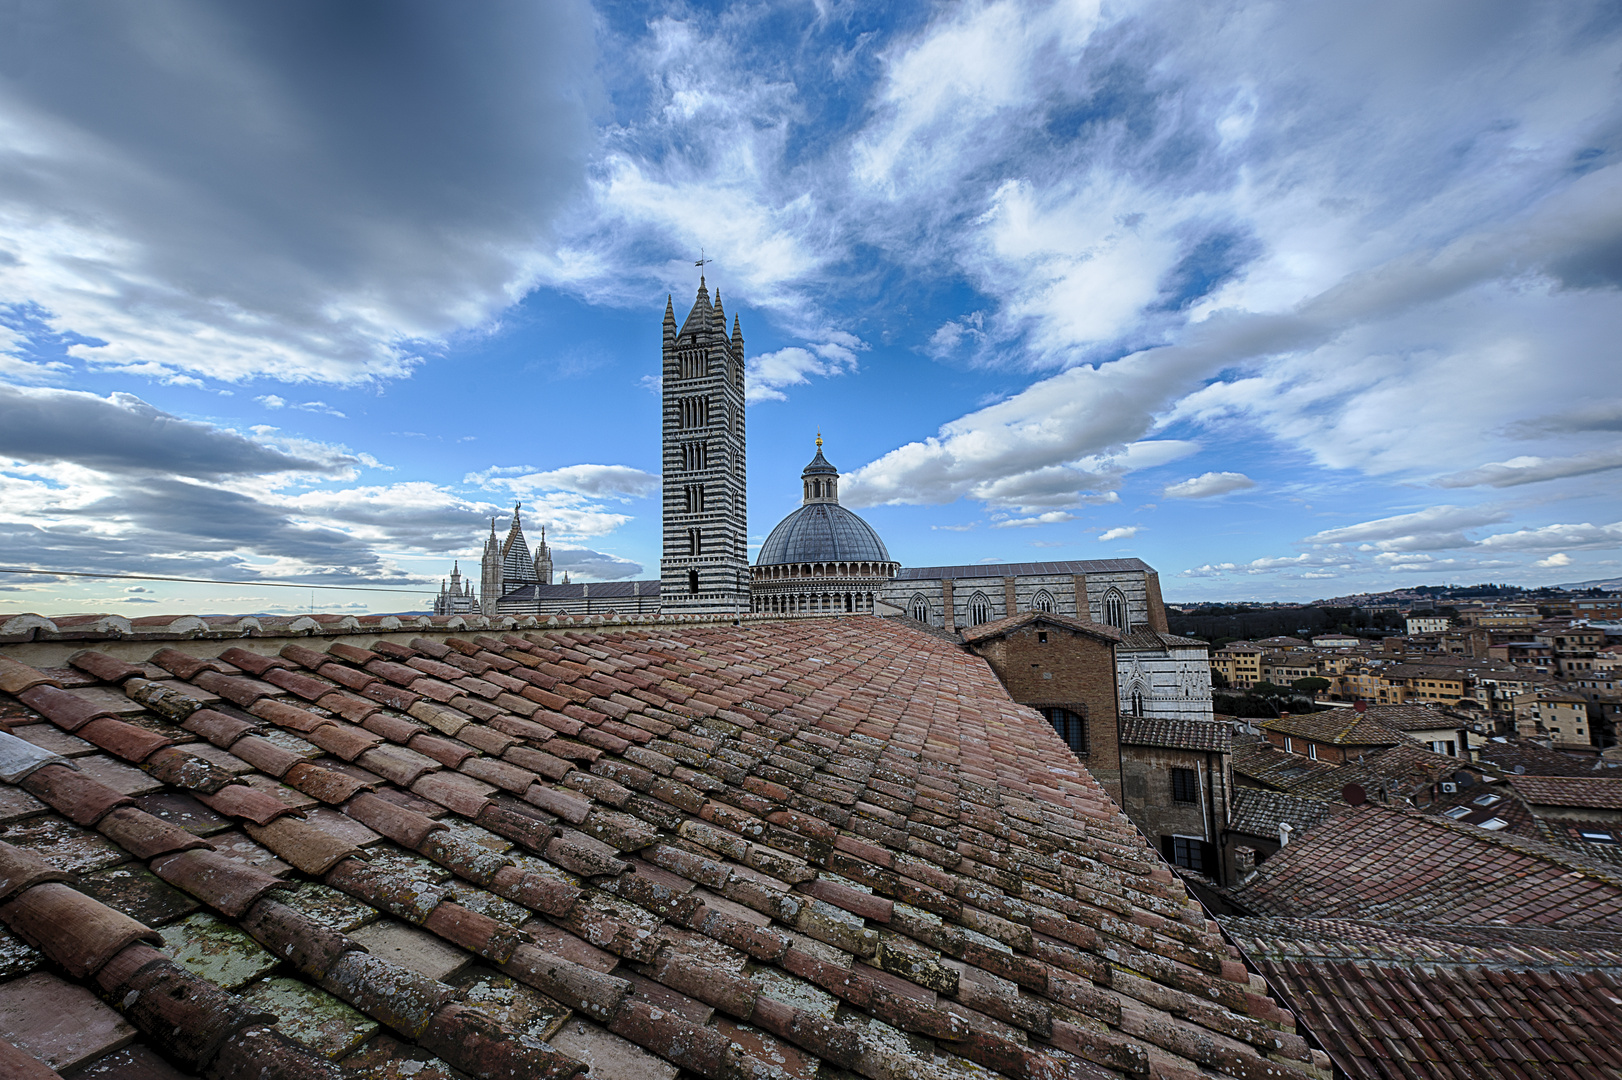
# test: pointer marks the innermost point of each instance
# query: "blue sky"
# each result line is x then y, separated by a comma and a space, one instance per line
1291, 301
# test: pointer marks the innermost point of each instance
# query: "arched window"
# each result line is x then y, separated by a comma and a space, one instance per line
1115, 609
816, 490
1071, 726
979, 609
919, 608
1042, 601
1137, 703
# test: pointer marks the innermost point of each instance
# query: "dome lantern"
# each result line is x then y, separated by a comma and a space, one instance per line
821, 480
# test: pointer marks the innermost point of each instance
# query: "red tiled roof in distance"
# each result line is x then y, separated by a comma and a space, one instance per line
1377, 862
1588, 792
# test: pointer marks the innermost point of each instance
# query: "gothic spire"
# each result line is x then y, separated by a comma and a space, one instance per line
699, 319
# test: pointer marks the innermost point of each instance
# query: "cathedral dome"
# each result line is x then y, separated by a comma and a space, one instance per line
822, 532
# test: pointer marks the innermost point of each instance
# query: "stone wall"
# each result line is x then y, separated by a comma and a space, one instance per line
1174, 683
1140, 590
1146, 796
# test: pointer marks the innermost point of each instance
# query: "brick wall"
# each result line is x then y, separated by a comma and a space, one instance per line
1069, 669
1297, 745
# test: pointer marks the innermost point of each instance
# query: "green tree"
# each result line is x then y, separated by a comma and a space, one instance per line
1312, 685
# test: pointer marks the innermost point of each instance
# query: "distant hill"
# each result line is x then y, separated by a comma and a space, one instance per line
1608, 584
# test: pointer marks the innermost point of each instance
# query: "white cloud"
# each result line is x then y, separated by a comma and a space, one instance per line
1123, 532
1547, 537
1052, 517
1529, 469
1208, 485
609, 481
955, 332
1436, 528
275, 401
768, 373
1558, 559
1209, 570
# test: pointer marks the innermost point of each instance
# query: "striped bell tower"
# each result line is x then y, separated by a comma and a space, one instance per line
705, 566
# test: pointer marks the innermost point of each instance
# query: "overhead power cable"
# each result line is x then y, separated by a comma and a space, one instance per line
214, 581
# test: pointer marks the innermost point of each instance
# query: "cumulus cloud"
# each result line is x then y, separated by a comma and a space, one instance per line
1208, 485
1122, 532
204, 192
1271, 565
956, 332
1558, 559
767, 374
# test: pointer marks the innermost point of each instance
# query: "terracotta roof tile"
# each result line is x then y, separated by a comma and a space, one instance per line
1591, 793
1178, 734
697, 797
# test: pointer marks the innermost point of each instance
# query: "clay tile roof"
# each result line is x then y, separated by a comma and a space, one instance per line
1380, 862
1260, 813
1402, 768
1590, 792
1266, 764
1340, 727
725, 850
1488, 1001
1412, 717
1177, 734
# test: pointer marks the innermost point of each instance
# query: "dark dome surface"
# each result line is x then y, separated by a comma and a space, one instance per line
822, 532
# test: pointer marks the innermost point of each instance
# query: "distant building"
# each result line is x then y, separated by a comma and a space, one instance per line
822, 558
456, 596
1427, 624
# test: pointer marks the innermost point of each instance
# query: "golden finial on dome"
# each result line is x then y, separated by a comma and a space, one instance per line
819, 440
